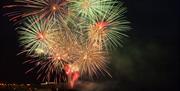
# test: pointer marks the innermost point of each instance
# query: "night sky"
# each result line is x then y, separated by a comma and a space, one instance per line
149, 60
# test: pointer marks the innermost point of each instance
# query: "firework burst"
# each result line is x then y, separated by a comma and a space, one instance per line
46, 67
59, 48
91, 61
69, 38
90, 8
108, 30
49, 9
37, 37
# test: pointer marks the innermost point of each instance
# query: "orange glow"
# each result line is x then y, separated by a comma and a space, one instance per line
85, 57
101, 25
40, 36
67, 69
54, 7
57, 57
60, 56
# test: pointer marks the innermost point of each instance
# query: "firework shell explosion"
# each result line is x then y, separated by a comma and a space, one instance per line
66, 39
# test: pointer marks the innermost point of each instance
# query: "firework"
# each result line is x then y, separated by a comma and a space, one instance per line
49, 9
59, 45
108, 29
46, 67
69, 38
73, 74
90, 8
36, 37
91, 61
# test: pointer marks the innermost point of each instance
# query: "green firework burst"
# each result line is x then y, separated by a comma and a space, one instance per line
109, 29
36, 37
90, 8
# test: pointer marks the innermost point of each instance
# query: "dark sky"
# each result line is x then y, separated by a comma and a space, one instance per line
152, 47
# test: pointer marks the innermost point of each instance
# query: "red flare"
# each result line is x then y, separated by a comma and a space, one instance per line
72, 75
40, 36
74, 78
101, 25
68, 70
